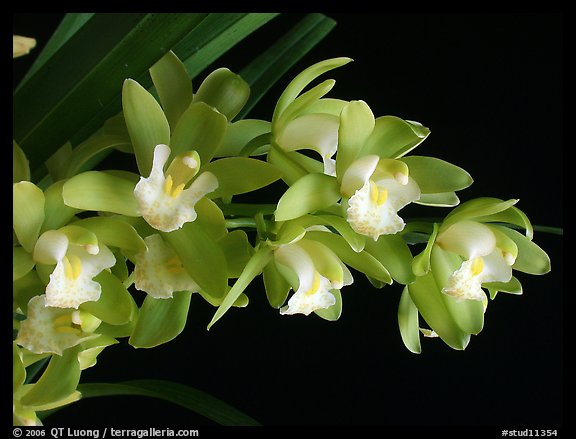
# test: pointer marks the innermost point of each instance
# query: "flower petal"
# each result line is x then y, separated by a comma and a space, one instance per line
47, 329
71, 282
467, 239
159, 271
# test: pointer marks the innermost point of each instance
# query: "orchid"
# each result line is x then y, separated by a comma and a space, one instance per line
162, 199
319, 275
159, 271
109, 253
77, 263
53, 329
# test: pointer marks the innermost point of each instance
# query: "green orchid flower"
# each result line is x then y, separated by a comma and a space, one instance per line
315, 273
475, 250
483, 260
159, 271
308, 121
162, 199
371, 179
79, 258
377, 189
52, 330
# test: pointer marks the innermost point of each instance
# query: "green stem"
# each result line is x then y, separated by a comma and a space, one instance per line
237, 223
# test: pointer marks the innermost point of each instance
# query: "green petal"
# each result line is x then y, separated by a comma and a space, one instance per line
444, 199
357, 174
101, 191
394, 254
421, 262
85, 153
467, 239
355, 240
211, 218
20, 165
26, 287
356, 124
299, 105
238, 175
408, 322
114, 233
18, 370
58, 381
512, 215
477, 208
224, 90
91, 348
146, 123
394, 137
56, 213
434, 175
361, 261
237, 248
326, 105
531, 258
239, 134
27, 213
303, 79
22, 262
201, 256
467, 314
333, 312
115, 303
291, 169
174, 86
277, 288
310, 193
430, 303
513, 286
160, 320
253, 268
325, 260
201, 128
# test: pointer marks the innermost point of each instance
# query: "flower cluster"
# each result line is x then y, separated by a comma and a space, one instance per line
88, 245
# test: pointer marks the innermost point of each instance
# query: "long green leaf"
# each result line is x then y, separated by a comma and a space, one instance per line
82, 82
180, 394
271, 64
215, 36
65, 30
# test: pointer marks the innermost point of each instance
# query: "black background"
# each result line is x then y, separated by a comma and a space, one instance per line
490, 88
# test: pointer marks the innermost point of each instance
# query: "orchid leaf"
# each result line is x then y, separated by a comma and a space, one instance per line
265, 70
47, 117
180, 394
